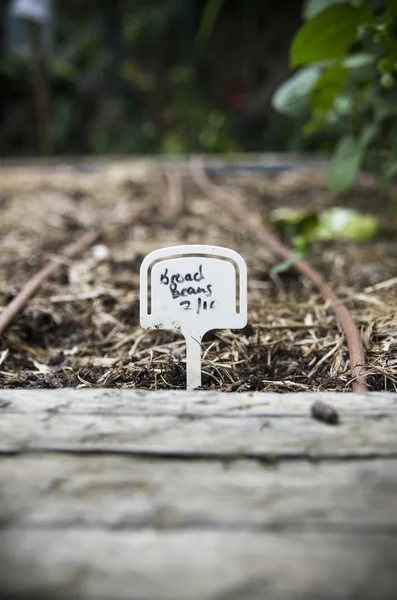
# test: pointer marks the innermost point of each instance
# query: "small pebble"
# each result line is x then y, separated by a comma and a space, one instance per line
100, 251
324, 413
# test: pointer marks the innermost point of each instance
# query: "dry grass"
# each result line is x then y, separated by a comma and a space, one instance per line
82, 329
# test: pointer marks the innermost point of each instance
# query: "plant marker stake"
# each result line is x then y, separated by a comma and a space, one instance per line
193, 289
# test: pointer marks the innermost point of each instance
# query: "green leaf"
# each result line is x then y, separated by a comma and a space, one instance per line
315, 125
368, 134
343, 105
386, 65
293, 96
172, 144
390, 172
312, 7
361, 228
327, 87
387, 81
345, 164
328, 35
285, 265
211, 13
359, 60
292, 217
345, 223
347, 159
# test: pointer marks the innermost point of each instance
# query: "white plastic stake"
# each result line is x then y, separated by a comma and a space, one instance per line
193, 289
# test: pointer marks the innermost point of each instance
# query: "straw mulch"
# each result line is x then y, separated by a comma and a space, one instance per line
82, 329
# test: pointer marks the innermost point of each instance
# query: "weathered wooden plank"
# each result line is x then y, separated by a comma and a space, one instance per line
44, 491
262, 425
292, 437
211, 403
192, 565
97, 499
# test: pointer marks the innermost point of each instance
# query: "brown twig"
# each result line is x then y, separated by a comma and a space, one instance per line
69, 251
252, 222
31, 286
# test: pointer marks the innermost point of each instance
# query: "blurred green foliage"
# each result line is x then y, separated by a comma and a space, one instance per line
148, 76
179, 76
346, 88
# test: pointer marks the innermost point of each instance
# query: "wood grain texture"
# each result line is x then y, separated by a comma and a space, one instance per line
42, 491
206, 496
133, 402
191, 565
181, 424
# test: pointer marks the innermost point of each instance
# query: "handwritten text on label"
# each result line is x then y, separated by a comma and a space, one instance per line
177, 279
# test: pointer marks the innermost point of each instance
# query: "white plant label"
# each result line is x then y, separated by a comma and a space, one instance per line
193, 289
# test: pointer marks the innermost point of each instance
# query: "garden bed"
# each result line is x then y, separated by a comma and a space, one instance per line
82, 328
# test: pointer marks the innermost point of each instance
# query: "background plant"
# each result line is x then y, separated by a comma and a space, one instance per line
345, 89
147, 76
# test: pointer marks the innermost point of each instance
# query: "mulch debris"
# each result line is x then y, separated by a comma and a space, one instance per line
82, 328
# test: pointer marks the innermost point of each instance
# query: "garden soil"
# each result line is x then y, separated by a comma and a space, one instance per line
82, 328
